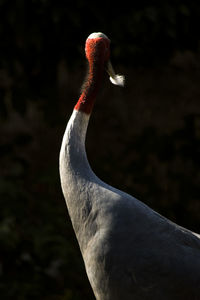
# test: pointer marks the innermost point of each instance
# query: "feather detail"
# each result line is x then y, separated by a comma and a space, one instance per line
115, 78
118, 80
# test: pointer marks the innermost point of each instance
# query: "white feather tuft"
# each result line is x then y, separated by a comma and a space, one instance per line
114, 78
118, 80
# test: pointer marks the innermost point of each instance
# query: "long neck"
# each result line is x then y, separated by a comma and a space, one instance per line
75, 172
77, 126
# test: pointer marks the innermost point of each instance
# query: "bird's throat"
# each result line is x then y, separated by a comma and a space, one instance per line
90, 87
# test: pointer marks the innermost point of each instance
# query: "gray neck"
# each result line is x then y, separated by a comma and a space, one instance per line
75, 172
73, 145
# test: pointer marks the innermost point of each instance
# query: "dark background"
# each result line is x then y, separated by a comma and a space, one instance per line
143, 138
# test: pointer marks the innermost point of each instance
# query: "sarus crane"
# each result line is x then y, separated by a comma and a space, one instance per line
130, 251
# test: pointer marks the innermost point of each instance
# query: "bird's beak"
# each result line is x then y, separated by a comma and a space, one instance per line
114, 78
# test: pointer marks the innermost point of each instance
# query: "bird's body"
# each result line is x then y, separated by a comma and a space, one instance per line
130, 251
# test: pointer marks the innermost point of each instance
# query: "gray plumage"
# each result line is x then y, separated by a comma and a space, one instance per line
129, 250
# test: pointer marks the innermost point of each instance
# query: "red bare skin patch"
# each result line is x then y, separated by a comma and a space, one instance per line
97, 52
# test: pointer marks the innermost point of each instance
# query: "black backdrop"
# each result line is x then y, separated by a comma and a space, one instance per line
144, 138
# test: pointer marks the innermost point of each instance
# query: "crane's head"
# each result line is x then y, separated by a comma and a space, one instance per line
97, 48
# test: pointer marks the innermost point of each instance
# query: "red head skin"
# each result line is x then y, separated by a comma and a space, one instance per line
97, 52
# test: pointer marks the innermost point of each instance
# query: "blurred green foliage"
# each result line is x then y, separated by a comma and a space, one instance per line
150, 148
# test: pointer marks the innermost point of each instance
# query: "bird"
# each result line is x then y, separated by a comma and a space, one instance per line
130, 251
